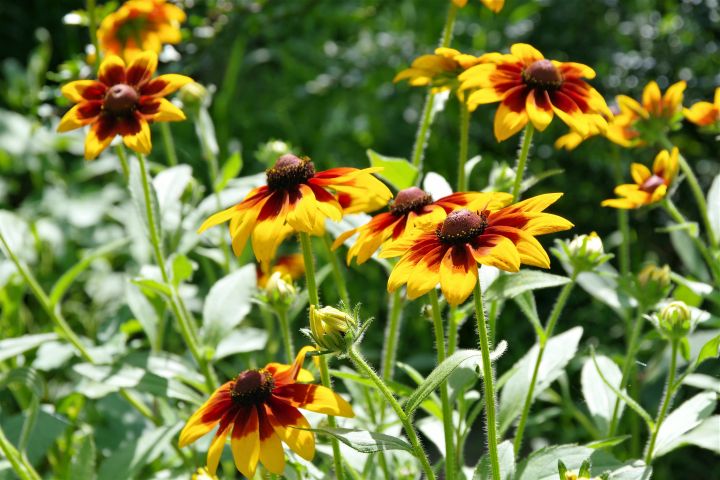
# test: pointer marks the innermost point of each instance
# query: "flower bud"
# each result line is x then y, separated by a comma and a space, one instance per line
652, 276
675, 320
330, 326
279, 288
586, 245
583, 253
194, 95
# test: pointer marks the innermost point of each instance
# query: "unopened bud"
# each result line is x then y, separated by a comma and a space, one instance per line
194, 95
280, 287
329, 327
652, 276
675, 320
583, 253
586, 245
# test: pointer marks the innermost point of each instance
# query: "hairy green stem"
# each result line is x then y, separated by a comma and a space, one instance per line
392, 331
488, 382
362, 365
340, 282
462, 183
122, 156
552, 321
450, 462
522, 160
286, 333
311, 284
169, 144
666, 401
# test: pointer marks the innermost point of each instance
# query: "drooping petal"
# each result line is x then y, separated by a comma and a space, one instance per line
218, 444
267, 234
315, 398
99, 137
496, 251
245, 441
539, 109
508, 121
458, 274
272, 455
207, 416
288, 423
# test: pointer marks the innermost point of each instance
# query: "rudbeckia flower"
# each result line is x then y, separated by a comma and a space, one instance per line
637, 123
292, 266
449, 252
440, 70
411, 207
298, 199
532, 88
705, 114
494, 5
140, 25
122, 101
649, 187
259, 411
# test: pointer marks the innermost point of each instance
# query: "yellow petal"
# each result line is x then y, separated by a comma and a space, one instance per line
288, 423
651, 96
539, 116
314, 398
526, 52
508, 123
640, 172
458, 274
93, 145
216, 448
140, 142
272, 455
168, 112
245, 443
141, 67
74, 91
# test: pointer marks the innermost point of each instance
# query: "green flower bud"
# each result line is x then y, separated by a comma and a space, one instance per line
279, 290
675, 321
583, 253
193, 96
331, 328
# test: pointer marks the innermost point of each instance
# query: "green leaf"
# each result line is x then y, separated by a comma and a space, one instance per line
526, 303
146, 313
169, 186
559, 350
599, 398
442, 371
397, 171
364, 441
713, 200
602, 284
230, 169
133, 455
506, 458
16, 232
683, 419
11, 347
543, 464
510, 285
608, 442
704, 436
153, 285
82, 466
710, 350
470, 165
48, 427
182, 269
243, 340
227, 303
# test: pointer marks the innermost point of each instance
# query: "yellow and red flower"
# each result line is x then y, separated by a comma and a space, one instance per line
140, 25
532, 88
439, 70
259, 410
641, 123
649, 187
298, 199
411, 207
705, 114
494, 5
122, 101
291, 266
449, 252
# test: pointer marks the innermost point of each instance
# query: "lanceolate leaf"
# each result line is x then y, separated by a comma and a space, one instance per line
398, 171
364, 441
227, 303
513, 284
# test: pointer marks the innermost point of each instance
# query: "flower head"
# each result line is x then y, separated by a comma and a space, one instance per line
583, 253
124, 100
448, 252
649, 187
298, 199
411, 207
532, 88
259, 410
292, 266
439, 70
494, 5
674, 321
140, 25
330, 326
705, 114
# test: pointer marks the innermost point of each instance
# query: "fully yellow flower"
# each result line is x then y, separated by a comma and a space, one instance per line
122, 101
140, 25
448, 252
494, 5
439, 70
532, 88
298, 199
649, 187
259, 410
705, 114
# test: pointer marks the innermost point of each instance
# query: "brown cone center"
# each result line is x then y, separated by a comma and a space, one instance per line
461, 226
542, 73
410, 200
121, 99
652, 183
252, 387
288, 171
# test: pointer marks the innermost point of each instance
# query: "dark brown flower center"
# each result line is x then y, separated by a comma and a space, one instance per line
461, 226
289, 171
252, 387
652, 183
121, 99
543, 74
410, 200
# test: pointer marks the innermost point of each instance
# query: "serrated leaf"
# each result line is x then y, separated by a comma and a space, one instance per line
683, 419
513, 284
227, 303
365, 441
11, 347
599, 398
397, 171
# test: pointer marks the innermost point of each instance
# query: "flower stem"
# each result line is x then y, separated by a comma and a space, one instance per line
623, 219
362, 365
176, 302
169, 143
286, 334
92, 28
697, 193
667, 399
712, 264
23, 470
311, 285
488, 382
463, 149
122, 156
450, 462
522, 160
452, 330
337, 271
391, 336
552, 321
628, 363
449, 27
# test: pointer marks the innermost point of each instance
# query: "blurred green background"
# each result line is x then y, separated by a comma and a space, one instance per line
318, 75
